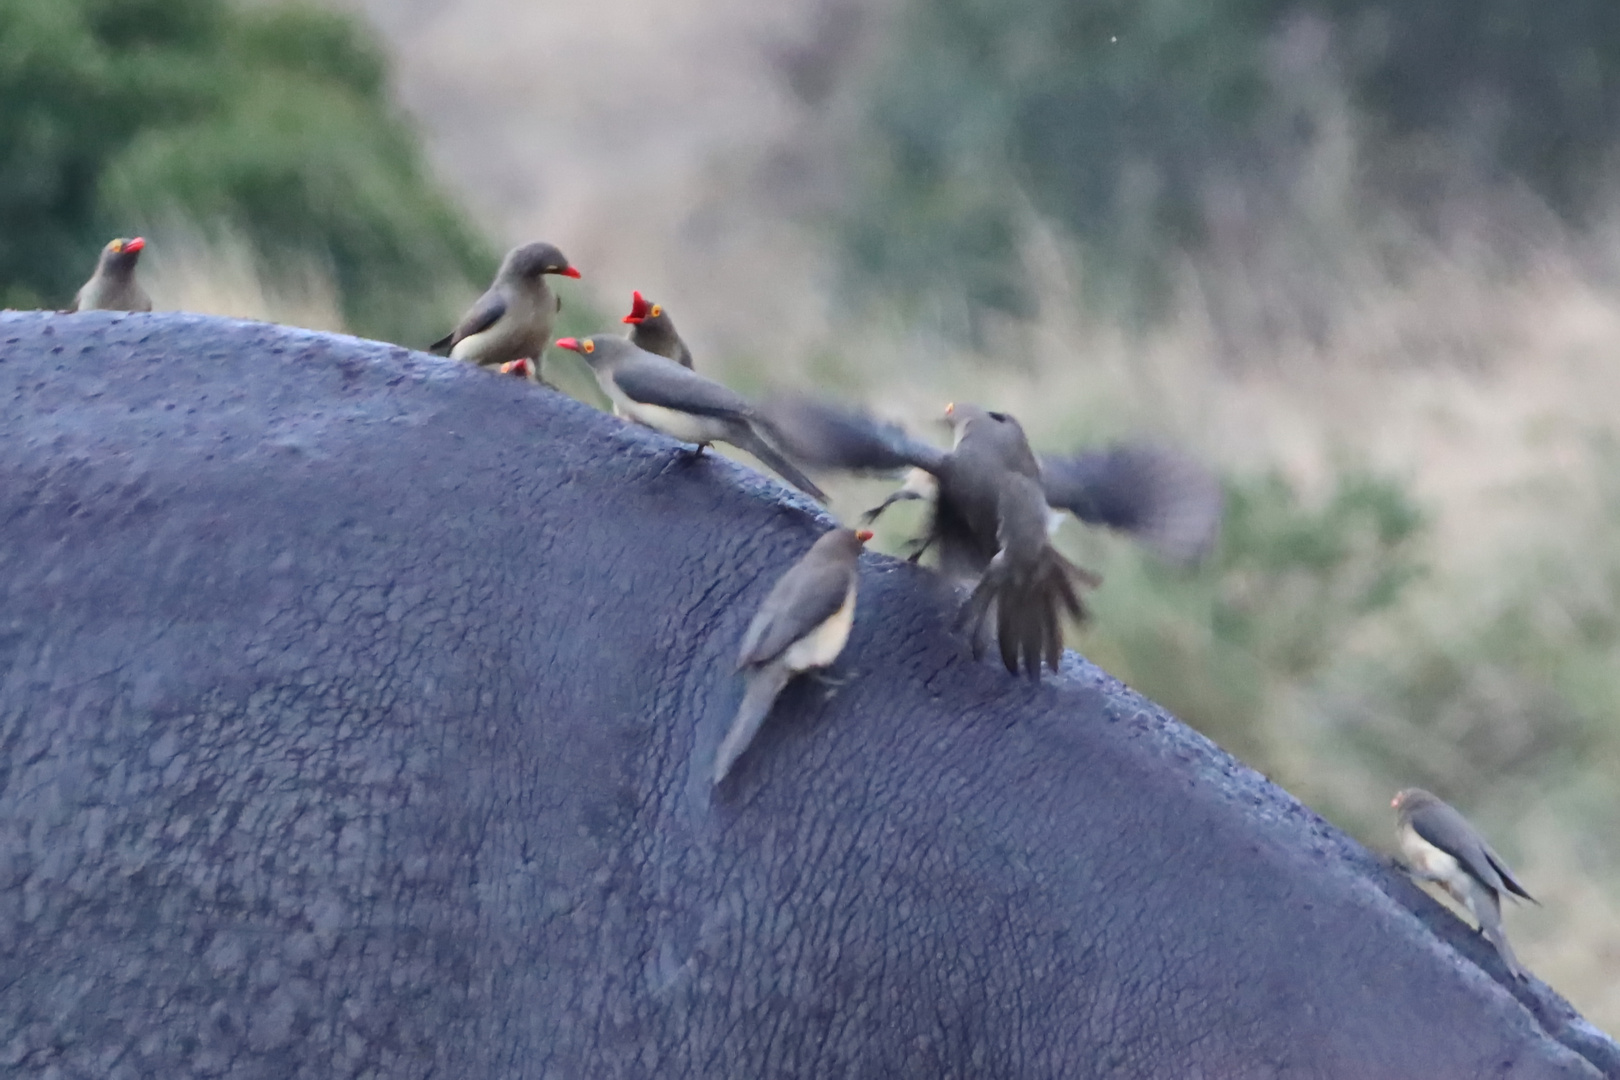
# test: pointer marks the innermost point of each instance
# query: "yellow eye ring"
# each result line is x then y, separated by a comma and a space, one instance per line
657, 310
116, 246
589, 345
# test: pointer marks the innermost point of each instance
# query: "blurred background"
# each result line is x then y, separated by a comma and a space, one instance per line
1363, 257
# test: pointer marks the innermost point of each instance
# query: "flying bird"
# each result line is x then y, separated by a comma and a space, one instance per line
1161, 499
802, 626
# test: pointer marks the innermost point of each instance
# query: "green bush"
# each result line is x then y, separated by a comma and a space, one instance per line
1229, 646
1112, 119
271, 121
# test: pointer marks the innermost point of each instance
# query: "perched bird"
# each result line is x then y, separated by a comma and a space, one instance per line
1161, 499
113, 286
655, 331
514, 317
802, 625
661, 394
1439, 845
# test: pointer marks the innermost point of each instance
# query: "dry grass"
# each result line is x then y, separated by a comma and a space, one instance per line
220, 274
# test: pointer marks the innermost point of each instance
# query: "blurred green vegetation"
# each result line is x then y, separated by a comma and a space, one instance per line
271, 121
1129, 124
1224, 646
1322, 646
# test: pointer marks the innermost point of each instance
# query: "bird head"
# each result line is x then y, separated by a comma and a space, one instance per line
121, 254
532, 261
641, 308
1408, 800
598, 350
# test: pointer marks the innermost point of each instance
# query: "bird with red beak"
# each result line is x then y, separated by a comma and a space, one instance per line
657, 392
113, 286
514, 318
655, 331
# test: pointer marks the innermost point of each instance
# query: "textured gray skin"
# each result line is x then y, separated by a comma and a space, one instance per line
355, 709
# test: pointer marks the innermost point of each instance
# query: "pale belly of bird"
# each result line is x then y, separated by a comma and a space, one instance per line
677, 425
1430, 861
491, 348
821, 647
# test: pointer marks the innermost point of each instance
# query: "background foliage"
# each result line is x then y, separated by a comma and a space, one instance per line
272, 122
1126, 121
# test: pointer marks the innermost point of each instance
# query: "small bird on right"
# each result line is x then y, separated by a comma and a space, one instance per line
113, 286
513, 320
655, 331
1439, 845
801, 626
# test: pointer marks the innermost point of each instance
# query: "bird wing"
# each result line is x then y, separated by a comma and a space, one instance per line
656, 380
1449, 831
1165, 500
823, 434
480, 317
1508, 879
809, 594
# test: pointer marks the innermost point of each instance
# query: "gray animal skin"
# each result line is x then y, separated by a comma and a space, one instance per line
354, 716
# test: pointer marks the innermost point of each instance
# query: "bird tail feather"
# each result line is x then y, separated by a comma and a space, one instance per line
760, 692
1483, 904
1027, 611
748, 439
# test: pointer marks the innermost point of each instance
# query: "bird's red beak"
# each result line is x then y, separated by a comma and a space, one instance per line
863, 535
134, 245
568, 343
516, 367
1395, 803
638, 308
569, 271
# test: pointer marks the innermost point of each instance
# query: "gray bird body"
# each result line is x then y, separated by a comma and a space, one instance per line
113, 286
654, 331
802, 625
514, 318
659, 393
1439, 845
991, 521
